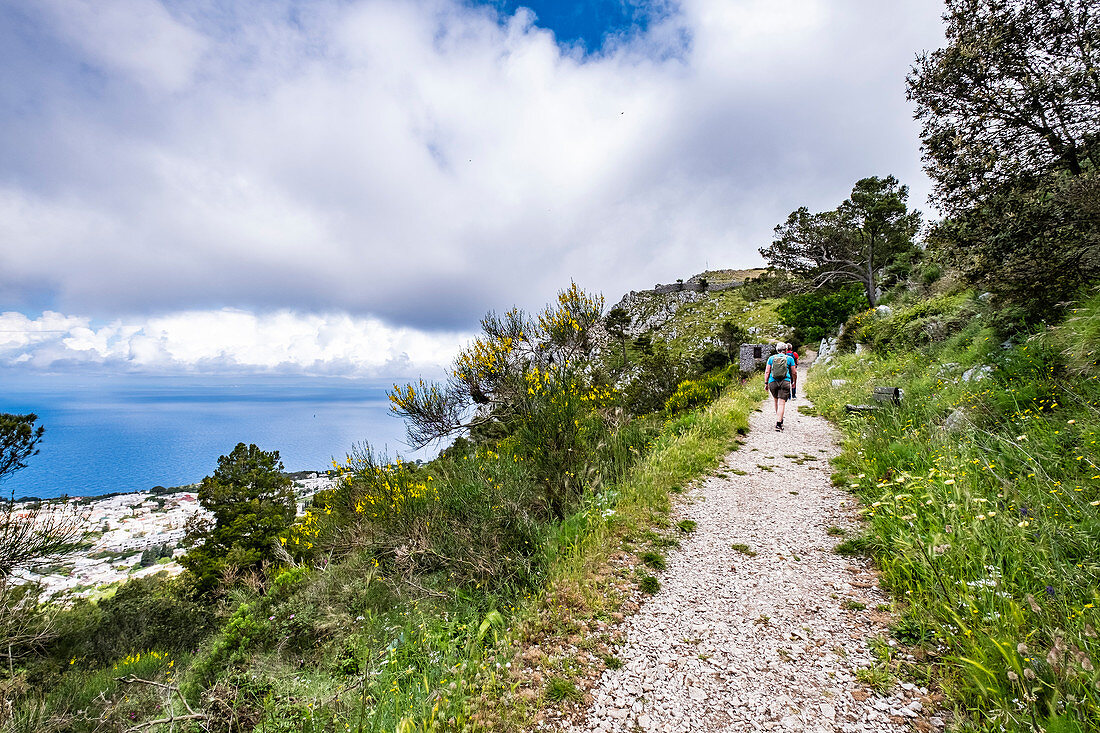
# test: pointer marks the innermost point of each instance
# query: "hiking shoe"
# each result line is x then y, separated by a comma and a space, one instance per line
779, 426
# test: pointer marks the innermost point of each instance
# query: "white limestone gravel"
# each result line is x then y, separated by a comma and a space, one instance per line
734, 642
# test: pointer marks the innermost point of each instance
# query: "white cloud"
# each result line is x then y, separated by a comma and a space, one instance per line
421, 162
137, 38
227, 340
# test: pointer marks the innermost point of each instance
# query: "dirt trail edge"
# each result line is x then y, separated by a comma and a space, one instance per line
769, 636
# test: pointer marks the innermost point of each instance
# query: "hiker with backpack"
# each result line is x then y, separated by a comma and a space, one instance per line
790, 351
779, 375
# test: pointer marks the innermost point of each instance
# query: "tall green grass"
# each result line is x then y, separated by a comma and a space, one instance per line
982, 498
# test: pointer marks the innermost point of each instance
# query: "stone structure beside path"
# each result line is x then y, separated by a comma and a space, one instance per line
758, 625
755, 356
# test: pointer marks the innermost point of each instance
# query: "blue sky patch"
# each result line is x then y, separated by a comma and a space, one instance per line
590, 22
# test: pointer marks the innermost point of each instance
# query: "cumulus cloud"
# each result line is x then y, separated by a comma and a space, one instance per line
227, 341
422, 161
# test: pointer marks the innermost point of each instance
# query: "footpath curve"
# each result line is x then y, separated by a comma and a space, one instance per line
736, 641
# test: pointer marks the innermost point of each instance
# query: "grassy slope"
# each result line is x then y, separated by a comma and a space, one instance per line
982, 501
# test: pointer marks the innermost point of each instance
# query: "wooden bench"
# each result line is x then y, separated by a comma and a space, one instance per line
887, 395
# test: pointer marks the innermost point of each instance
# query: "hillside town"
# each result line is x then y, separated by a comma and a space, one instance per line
130, 536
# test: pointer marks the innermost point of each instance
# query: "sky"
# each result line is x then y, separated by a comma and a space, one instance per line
344, 187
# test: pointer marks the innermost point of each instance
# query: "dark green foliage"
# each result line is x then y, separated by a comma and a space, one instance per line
925, 322
19, 438
813, 315
1035, 243
853, 547
649, 584
616, 323
687, 526
911, 632
151, 555
251, 626
151, 613
731, 337
654, 560
869, 231
712, 360
1014, 94
559, 689
1010, 107
657, 373
556, 441
252, 503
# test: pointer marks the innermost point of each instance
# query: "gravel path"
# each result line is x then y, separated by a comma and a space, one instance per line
741, 642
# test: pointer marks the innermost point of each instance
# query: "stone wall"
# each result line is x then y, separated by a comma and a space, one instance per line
692, 286
755, 356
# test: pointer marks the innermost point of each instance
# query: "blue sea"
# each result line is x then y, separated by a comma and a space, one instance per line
124, 434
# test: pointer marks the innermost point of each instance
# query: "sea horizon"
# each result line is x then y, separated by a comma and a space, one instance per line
118, 434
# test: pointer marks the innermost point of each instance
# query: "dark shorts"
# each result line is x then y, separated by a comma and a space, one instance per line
780, 390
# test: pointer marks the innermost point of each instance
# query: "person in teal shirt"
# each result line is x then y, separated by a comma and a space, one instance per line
779, 377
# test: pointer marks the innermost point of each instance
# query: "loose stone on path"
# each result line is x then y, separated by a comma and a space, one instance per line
740, 642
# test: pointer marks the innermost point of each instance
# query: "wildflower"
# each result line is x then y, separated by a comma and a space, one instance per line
1021, 648
1012, 676
1029, 673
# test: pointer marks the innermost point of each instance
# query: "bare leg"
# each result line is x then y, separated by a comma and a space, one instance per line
780, 406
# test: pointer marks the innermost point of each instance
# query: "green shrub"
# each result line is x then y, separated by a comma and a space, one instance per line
150, 613
813, 315
560, 689
251, 502
649, 584
853, 547
689, 395
654, 560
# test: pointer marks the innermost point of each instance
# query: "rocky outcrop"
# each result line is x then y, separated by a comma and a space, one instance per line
649, 310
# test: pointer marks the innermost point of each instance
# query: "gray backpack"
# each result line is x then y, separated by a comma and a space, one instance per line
780, 373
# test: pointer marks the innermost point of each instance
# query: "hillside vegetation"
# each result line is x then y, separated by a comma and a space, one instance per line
409, 596
982, 497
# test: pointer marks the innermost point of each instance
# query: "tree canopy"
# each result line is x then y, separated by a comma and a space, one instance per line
19, 438
251, 501
1014, 93
850, 244
1010, 109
